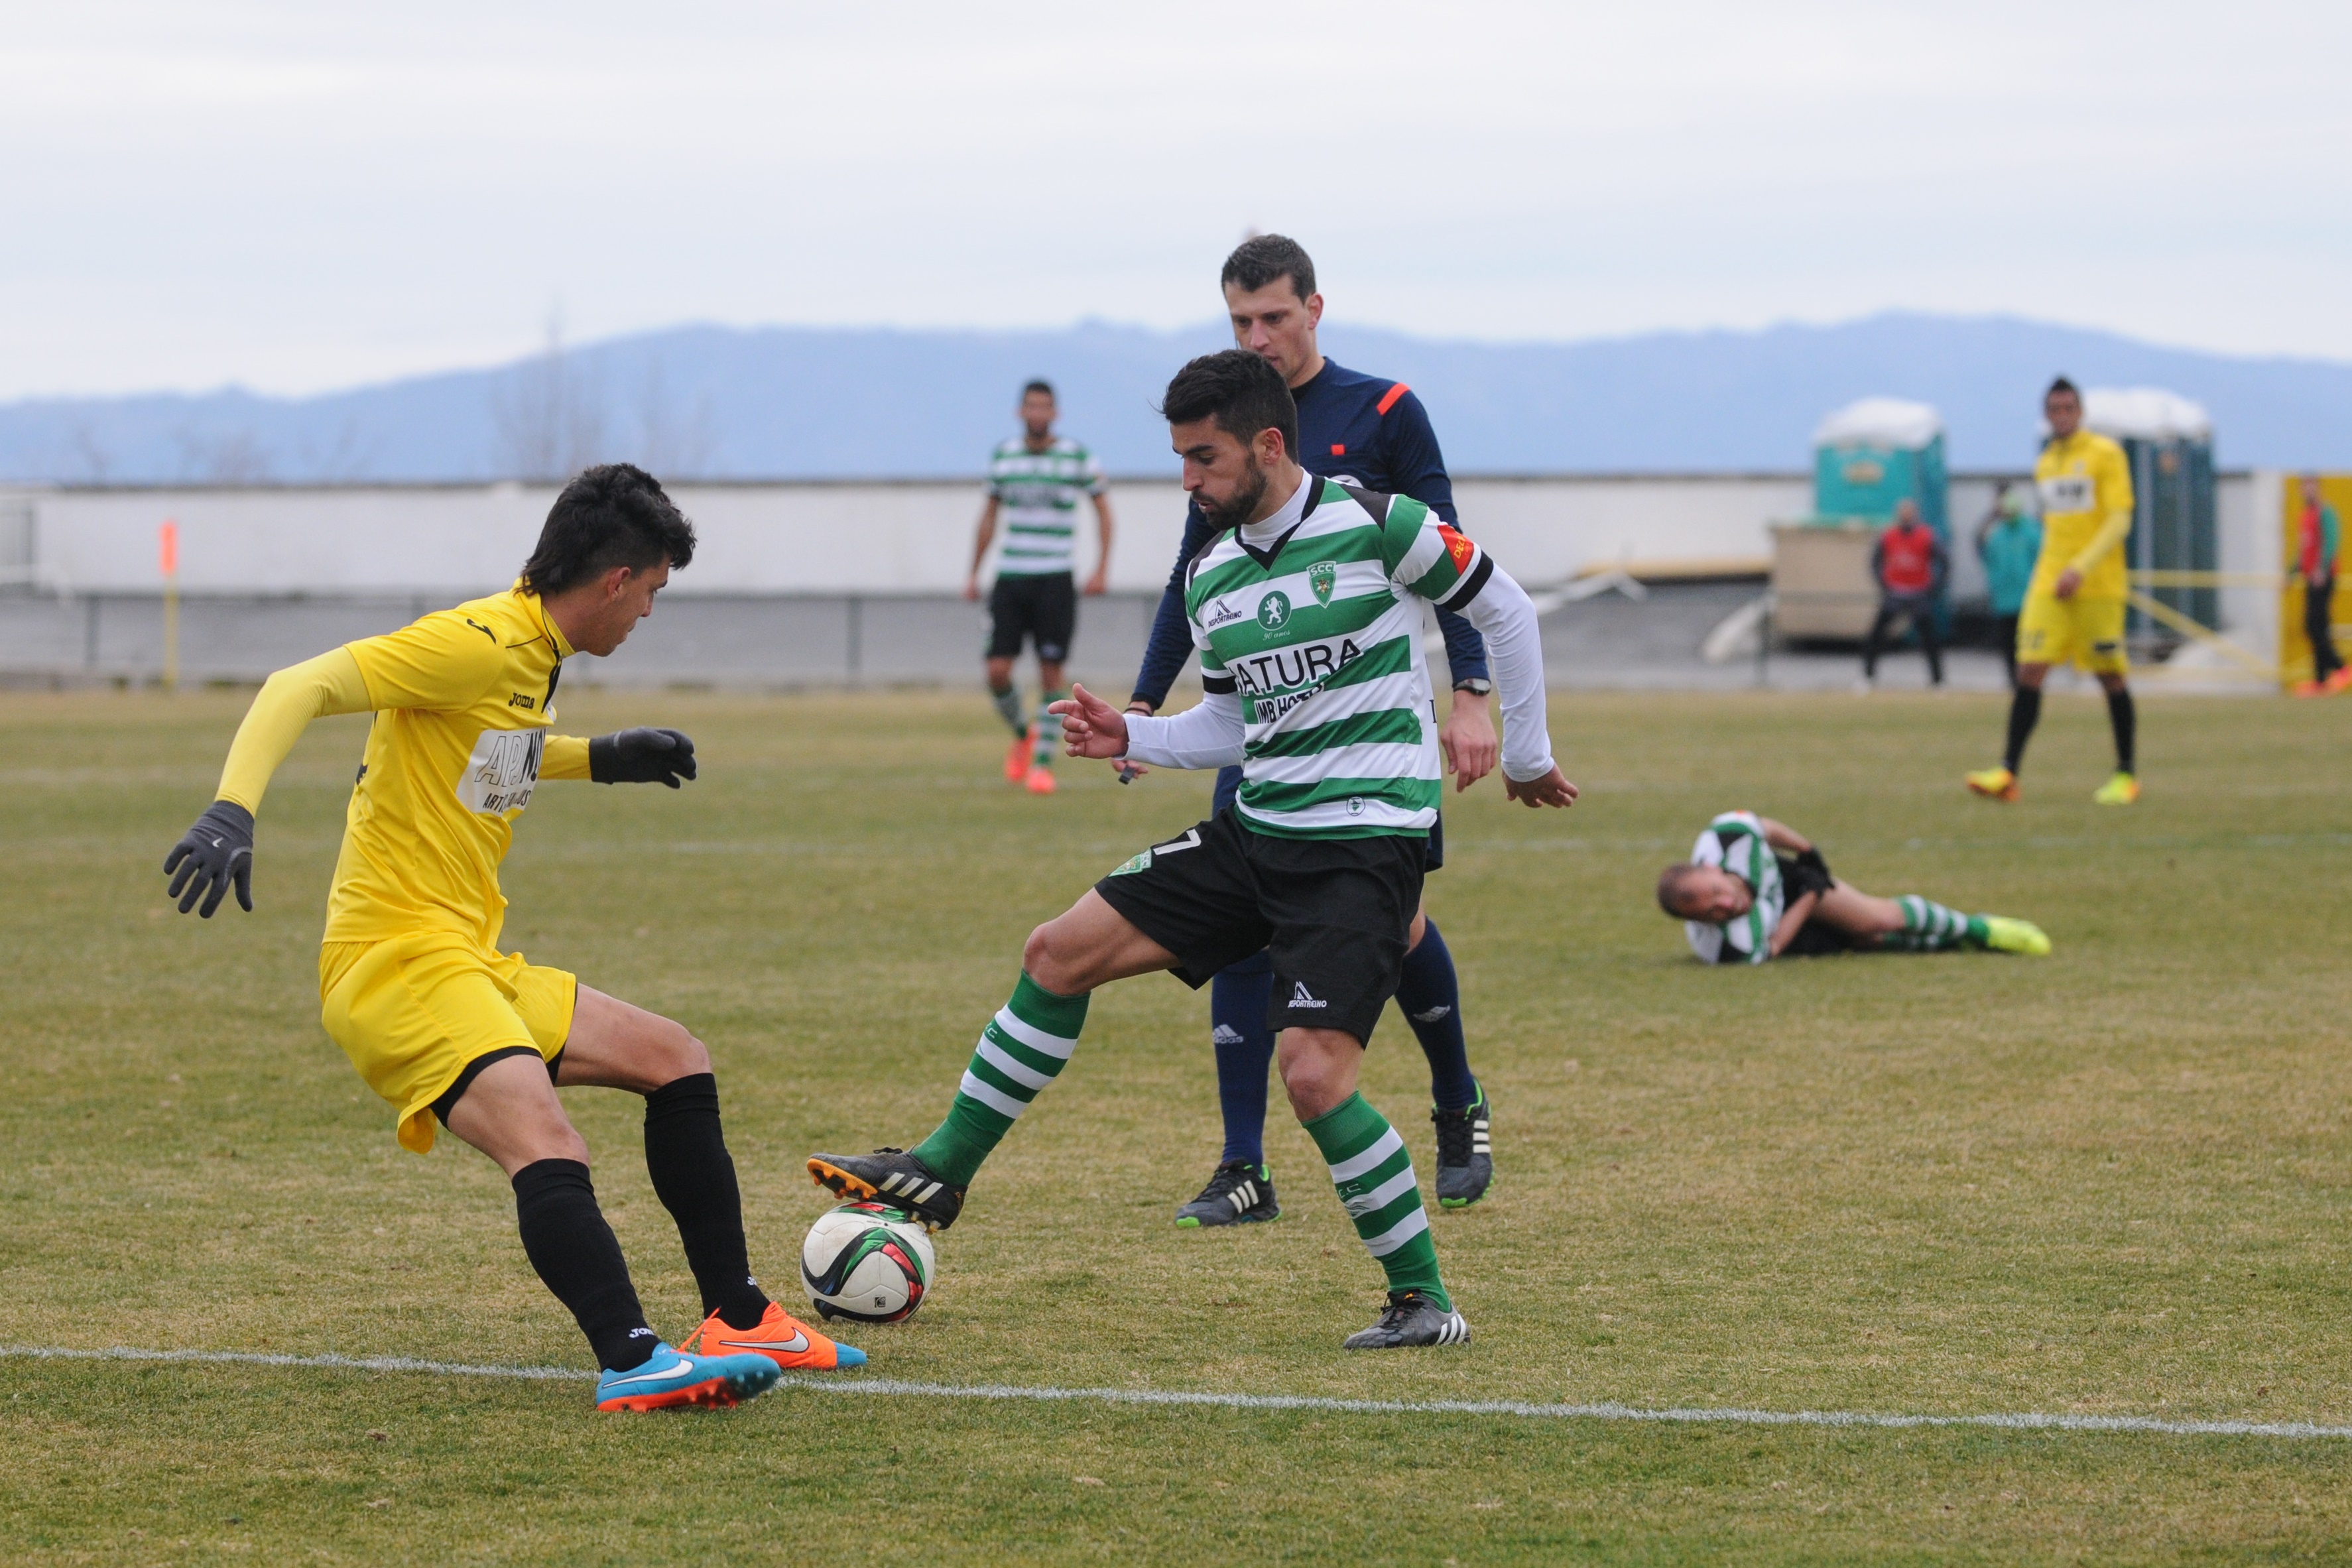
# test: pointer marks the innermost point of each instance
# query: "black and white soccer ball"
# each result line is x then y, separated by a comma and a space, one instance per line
866, 1261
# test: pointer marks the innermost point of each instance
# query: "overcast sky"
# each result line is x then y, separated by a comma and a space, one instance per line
303, 195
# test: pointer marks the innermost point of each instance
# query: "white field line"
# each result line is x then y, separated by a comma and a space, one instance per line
2025, 1422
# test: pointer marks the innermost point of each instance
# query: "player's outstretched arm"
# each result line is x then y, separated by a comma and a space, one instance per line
1792, 920
217, 853
1207, 735
1090, 726
1782, 836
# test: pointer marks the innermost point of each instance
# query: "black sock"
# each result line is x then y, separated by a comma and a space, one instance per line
2125, 719
576, 1255
2024, 713
694, 1176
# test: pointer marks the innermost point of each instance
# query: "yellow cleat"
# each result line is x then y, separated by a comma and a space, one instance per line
1994, 783
2003, 935
2120, 790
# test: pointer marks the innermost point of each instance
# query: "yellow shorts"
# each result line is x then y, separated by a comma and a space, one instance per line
2088, 633
412, 1011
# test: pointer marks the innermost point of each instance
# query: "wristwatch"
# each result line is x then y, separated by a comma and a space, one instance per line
1474, 686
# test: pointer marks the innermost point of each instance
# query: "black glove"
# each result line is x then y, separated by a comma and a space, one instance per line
641, 756
215, 852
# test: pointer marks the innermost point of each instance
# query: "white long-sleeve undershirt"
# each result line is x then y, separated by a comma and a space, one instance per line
1506, 617
1211, 733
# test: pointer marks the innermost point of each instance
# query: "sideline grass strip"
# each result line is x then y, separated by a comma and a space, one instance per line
2018, 1422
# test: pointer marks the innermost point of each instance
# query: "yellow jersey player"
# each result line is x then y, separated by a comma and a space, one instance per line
2075, 604
448, 1029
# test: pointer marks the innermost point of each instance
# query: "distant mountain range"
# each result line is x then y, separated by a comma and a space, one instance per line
849, 402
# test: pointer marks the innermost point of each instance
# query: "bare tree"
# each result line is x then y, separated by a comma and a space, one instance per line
549, 414
224, 457
673, 443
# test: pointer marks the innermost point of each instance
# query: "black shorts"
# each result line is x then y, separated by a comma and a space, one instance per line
1042, 608
1333, 914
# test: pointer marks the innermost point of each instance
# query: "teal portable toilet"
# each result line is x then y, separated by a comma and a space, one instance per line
1870, 454
2169, 442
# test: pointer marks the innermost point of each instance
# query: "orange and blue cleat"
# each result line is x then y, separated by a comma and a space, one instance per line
783, 1338
673, 1380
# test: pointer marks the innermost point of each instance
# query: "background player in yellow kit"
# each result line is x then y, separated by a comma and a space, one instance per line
412, 983
2075, 604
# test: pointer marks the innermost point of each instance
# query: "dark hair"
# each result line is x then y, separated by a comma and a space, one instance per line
1260, 259
2060, 385
612, 514
1241, 391
1040, 386
1671, 883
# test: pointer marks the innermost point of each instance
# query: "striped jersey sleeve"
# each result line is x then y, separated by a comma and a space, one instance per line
1735, 841
1430, 558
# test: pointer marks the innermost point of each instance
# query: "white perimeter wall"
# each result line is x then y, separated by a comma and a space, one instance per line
908, 538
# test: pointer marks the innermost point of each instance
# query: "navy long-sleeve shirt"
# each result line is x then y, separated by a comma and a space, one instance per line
1370, 433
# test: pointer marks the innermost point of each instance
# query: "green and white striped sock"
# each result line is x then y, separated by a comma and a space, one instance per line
1929, 927
1008, 708
1373, 1173
1021, 1049
1049, 728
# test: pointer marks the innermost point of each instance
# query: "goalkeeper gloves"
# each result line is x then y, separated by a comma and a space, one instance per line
641, 756
211, 855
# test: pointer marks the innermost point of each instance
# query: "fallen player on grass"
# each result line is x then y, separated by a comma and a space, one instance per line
1755, 889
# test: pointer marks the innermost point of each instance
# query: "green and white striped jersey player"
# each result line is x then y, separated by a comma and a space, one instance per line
1735, 841
1037, 496
1755, 889
1306, 608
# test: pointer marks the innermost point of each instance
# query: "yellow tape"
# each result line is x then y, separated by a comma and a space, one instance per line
2187, 627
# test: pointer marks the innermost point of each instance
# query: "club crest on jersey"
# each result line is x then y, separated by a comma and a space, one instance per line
1457, 545
1273, 610
1322, 577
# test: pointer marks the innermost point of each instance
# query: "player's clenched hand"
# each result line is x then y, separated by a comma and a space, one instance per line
641, 756
1090, 726
1551, 789
211, 855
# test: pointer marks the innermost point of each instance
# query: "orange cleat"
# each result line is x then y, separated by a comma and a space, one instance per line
1041, 779
1994, 784
2339, 680
781, 1337
2307, 689
1017, 760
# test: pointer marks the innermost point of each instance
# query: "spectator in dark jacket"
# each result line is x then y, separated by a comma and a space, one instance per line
1910, 564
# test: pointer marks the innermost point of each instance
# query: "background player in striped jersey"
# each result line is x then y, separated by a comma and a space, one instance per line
1755, 889
1305, 612
1373, 432
1035, 481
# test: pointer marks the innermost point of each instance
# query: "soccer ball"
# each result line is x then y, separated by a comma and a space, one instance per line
866, 1261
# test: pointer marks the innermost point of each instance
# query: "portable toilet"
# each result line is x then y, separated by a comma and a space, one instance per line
1867, 456
1870, 454
2169, 442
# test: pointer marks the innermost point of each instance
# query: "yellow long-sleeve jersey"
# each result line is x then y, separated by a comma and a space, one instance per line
463, 699
2085, 490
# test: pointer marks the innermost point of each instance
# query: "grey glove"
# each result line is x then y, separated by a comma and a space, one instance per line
641, 756
211, 855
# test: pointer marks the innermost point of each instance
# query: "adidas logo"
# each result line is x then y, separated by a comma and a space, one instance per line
912, 1188
1300, 997
1224, 1034
1433, 1015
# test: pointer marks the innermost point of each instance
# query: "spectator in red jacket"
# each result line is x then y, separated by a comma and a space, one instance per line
1909, 562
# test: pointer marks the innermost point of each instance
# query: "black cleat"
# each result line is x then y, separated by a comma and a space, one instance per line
893, 1176
1412, 1319
1239, 1194
1465, 1155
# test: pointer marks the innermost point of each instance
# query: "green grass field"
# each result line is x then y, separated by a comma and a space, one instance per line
2114, 1182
